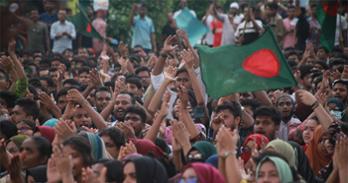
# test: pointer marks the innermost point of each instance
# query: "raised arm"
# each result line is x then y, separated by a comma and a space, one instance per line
75, 96
131, 16
167, 48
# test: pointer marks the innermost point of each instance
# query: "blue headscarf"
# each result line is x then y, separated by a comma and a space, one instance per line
97, 146
283, 169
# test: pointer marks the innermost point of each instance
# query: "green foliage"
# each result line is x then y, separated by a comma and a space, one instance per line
119, 12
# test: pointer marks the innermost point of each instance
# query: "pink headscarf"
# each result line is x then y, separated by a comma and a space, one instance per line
206, 173
146, 147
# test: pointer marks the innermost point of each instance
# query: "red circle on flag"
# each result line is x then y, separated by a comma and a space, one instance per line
263, 63
330, 8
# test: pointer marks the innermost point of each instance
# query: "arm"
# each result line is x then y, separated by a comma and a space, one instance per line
76, 96
156, 99
131, 19
153, 41
153, 131
263, 97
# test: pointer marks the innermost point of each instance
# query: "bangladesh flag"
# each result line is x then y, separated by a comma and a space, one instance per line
259, 65
326, 14
83, 24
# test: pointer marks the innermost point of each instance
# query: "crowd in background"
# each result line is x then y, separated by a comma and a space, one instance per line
80, 109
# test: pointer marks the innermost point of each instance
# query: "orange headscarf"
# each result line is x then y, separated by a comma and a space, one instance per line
317, 156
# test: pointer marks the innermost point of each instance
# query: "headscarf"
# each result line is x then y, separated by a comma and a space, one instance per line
205, 148
284, 149
51, 122
149, 170
206, 173
18, 140
38, 173
97, 146
147, 147
282, 167
316, 153
258, 139
47, 132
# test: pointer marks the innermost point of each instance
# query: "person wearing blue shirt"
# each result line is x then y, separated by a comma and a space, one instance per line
143, 29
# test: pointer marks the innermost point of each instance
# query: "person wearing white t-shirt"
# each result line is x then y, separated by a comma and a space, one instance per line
341, 29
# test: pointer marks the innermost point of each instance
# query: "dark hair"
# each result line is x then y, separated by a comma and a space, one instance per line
115, 134
8, 129
272, 5
7, 77
134, 80
137, 110
102, 88
114, 171
141, 69
130, 95
81, 145
181, 70
43, 145
9, 98
83, 69
29, 106
254, 104
61, 92
72, 82
270, 112
233, 107
305, 70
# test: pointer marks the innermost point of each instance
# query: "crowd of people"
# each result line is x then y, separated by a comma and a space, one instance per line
84, 110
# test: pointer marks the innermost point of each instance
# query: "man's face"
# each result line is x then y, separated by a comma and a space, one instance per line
29, 154
142, 11
133, 89
62, 102
307, 81
339, 90
135, 121
285, 106
34, 15
291, 13
102, 99
55, 64
83, 53
18, 114
266, 126
81, 118
321, 54
183, 79
123, 101
84, 78
61, 15
145, 78
229, 120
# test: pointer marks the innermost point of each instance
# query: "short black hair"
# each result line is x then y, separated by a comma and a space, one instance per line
270, 112
254, 104
137, 110
84, 69
29, 106
233, 107
72, 82
102, 88
115, 134
181, 70
8, 129
141, 69
134, 80
48, 80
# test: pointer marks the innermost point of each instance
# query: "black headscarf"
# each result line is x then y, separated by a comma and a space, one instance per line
38, 173
149, 170
114, 171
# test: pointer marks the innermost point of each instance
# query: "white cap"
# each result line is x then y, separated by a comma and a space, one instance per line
234, 5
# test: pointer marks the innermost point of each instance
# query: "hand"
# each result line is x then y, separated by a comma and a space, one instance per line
53, 175
341, 151
165, 105
168, 44
94, 79
123, 61
169, 73
345, 72
75, 96
90, 176
182, 34
64, 163
217, 122
15, 168
46, 100
183, 96
127, 149
227, 140
65, 129
4, 158
69, 110
180, 133
188, 58
123, 50
126, 129
305, 97
246, 174
6, 63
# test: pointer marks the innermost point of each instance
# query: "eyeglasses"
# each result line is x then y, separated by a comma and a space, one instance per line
188, 180
197, 156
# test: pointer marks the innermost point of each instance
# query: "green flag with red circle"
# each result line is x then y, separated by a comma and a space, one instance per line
259, 65
326, 13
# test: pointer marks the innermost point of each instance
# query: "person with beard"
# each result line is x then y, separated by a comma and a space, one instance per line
286, 106
267, 121
102, 98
